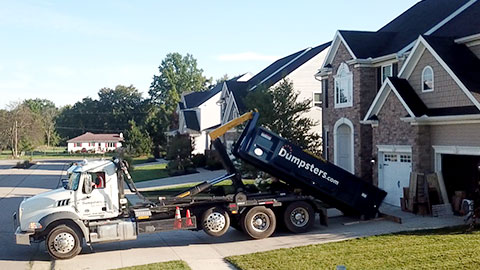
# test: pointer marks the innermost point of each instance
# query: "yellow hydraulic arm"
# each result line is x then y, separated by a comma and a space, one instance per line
233, 123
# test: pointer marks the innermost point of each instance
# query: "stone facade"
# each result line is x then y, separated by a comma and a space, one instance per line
391, 130
364, 91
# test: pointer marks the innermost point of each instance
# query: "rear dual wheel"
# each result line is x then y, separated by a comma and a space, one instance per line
259, 222
299, 217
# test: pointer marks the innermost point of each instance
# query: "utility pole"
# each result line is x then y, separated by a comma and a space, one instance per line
16, 138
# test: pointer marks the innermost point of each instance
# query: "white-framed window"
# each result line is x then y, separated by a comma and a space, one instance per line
343, 87
387, 71
317, 99
427, 79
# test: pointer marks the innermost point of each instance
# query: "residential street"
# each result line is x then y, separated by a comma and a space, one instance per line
199, 250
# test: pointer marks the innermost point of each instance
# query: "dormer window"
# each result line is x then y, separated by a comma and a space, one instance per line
343, 87
427, 79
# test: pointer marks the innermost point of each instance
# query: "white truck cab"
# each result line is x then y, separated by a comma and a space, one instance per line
91, 194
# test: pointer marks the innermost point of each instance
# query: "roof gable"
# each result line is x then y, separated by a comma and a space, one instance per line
404, 92
399, 35
459, 62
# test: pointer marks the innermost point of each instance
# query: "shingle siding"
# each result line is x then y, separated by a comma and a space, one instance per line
458, 135
446, 92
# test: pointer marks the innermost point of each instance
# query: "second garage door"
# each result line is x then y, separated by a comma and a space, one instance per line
394, 175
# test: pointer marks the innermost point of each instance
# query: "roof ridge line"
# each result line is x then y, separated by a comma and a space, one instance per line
282, 67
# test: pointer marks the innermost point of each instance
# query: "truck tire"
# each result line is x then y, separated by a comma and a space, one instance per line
215, 221
299, 217
63, 242
259, 222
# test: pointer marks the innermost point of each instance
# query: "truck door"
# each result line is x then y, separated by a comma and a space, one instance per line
91, 199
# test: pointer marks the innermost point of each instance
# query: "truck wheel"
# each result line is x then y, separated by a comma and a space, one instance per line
299, 217
63, 242
215, 221
259, 222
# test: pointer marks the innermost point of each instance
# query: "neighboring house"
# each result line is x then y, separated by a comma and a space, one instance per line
97, 143
200, 112
297, 68
407, 98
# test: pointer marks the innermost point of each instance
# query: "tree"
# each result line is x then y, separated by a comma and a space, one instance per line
222, 79
20, 130
45, 113
179, 151
281, 112
137, 141
109, 114
177, 74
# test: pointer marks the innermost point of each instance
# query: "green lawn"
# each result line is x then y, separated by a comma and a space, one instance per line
51, 153
433, 249
150, 172
171, 265
142, 159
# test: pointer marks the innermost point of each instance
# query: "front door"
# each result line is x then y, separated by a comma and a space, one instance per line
396, 169
344, 148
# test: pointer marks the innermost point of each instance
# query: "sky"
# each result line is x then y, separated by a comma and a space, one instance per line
65, 51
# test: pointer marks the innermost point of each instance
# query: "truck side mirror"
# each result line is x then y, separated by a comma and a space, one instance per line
87, 184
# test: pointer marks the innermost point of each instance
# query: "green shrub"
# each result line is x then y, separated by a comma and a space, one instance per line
199, 160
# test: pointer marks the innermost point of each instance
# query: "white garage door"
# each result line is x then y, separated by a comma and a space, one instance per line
395, 170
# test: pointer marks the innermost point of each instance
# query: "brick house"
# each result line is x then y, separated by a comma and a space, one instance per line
406, 98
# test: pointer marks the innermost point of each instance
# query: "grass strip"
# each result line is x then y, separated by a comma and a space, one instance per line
171, 265
430, 249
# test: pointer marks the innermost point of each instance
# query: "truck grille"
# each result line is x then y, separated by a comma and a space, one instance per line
63, 202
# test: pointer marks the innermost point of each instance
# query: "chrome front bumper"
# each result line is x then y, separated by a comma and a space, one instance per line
21, 238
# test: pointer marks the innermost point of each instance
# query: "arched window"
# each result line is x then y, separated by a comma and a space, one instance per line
427, 79
343, 87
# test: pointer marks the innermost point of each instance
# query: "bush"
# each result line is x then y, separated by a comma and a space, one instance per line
213, 160
199, 160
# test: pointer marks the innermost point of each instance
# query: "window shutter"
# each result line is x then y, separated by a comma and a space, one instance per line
394, 69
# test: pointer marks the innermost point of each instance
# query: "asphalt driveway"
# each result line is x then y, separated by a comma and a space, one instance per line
199, 250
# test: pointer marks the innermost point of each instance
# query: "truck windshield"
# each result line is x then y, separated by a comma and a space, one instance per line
73, 181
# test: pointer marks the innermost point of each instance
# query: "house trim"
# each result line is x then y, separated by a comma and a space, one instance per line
394, 148
443, 120
469, 40
349, 123
337, 39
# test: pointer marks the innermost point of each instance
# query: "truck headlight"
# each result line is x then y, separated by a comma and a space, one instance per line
34, 225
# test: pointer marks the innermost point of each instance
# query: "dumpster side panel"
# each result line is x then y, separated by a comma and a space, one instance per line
323, 180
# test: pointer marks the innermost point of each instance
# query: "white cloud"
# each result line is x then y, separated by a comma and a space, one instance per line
246, 56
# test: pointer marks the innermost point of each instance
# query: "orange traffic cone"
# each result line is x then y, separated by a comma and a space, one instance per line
178, 219
189, 222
